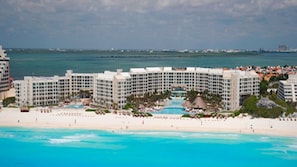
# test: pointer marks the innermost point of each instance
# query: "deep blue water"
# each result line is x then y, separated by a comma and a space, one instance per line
57, 147
49, 63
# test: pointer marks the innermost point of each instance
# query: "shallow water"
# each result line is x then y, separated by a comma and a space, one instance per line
59, 147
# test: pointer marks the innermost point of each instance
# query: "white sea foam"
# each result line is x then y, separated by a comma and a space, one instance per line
264, 139
293, 147
285, 149
80, 136
151, 133
6, 135
40, 137
181, 134
72, 138
87, 141
215, 136
61, 141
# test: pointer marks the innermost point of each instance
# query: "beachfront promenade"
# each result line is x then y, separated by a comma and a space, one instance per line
80, 119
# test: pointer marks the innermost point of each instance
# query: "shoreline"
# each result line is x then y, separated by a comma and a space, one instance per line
64, 118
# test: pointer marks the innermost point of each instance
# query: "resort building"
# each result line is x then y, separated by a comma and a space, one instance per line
79, 81
139, 81
42, 91
237, 86
37, 91
287, 89
4, 73
111, 89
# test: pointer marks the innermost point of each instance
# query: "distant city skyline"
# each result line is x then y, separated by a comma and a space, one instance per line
148, 24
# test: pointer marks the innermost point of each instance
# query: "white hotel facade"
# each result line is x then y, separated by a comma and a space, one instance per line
287, 89
110, 89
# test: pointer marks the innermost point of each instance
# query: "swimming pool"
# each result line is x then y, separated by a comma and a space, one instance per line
74, 106
171, 110
174, 107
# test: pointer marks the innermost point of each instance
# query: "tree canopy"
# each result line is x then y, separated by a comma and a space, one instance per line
250, 106
8, 101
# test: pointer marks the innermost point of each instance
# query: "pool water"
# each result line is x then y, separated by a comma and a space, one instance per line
171, 110
74, 106
175, 107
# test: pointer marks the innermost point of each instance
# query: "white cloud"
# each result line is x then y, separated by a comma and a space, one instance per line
142, 6
169, 19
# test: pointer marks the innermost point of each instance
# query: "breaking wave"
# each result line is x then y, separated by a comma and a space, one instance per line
72, 138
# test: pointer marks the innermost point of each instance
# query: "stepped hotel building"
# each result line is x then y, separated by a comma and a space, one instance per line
111, 89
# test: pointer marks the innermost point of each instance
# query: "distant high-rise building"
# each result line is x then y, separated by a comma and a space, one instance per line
282, 48
4, 73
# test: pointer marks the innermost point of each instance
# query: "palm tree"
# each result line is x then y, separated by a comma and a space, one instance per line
114, 106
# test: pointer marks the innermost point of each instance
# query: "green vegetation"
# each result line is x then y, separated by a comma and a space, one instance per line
7, 101
97, 111
236, 113
250, 106
186, 115
213, 99
149, 114
206, 115
200, 115
289, 106
191, 95
272, 83
277, 78
84, 94
91, 110
129, 105
148, 100
278, 101
269, 113
263, 87
106, 111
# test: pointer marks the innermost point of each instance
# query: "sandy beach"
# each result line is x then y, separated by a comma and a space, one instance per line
79, 119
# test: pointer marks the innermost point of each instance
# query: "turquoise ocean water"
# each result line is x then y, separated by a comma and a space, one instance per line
59, 147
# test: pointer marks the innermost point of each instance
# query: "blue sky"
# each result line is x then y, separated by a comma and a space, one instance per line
148, 24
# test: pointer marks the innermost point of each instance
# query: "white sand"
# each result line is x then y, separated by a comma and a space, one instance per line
79, 119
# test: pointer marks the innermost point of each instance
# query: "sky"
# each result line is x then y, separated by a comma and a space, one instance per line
148, 24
